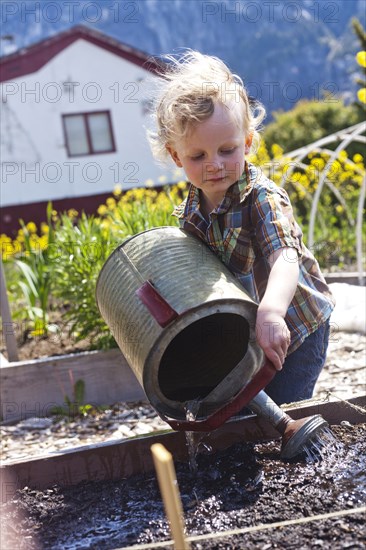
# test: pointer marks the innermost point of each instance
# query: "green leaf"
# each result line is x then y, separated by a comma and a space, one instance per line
29, 276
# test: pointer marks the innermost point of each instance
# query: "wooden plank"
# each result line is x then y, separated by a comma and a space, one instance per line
332, 410
351, 278
124, 458
33, 388
7, 324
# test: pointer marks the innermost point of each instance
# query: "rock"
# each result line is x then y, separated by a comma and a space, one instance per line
35, 423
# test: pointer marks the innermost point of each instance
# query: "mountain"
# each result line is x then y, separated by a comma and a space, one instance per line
284, 50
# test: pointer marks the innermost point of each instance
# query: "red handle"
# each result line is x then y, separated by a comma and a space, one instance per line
219, 417
159, 308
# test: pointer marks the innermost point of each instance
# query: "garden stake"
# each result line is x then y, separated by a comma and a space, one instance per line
169, 490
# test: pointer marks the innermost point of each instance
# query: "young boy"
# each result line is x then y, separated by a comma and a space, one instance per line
206, 124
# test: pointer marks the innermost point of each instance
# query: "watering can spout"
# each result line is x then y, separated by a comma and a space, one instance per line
297, 435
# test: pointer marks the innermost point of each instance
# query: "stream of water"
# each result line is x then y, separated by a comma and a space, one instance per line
191, 408
321, 445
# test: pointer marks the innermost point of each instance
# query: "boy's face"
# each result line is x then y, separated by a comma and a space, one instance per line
213, 154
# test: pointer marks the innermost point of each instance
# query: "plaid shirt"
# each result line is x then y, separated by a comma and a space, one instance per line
254, 219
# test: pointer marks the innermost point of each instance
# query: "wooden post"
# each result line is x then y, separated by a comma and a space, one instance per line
164, 466
10, 341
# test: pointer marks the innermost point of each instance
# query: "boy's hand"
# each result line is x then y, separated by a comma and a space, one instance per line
273, 336
272, 333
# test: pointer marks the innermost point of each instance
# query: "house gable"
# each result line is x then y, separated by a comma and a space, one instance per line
33, 58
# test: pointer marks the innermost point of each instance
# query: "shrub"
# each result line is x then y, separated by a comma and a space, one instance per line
309, 121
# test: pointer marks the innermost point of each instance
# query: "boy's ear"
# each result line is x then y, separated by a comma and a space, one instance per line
248, 143
173, 153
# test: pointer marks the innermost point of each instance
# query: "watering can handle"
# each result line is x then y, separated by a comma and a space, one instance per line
219, 417
159, 308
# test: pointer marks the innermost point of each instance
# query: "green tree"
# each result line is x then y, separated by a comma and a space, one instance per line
308, 121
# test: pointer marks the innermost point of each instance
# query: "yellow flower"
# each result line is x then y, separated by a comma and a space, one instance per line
72, 213
102, 209
6, 247
357, 158
361, 58
318, 163
111, 203
162, 179
277, 151
345, 176
339, 208
117, 191
343, 155
140, 194
31, 227
44, 228
20, 239
43, 242
336, 167
105, 224
17, 246
303, 179
361, 94
149, 183
151, 194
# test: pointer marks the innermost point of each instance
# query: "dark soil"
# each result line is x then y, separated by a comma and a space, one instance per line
60, 340
243, 486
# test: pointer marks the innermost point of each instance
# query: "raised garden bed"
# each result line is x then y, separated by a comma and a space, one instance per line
128, 456
35, 387
241, 488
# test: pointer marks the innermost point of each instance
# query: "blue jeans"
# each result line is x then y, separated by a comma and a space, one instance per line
301, 369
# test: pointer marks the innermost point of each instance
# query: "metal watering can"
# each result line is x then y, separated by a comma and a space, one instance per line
187, 329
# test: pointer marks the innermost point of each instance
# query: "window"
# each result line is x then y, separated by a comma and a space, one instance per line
88, 133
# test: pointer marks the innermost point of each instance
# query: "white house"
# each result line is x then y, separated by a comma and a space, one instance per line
73, 116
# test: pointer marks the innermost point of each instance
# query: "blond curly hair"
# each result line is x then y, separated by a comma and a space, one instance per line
190, 86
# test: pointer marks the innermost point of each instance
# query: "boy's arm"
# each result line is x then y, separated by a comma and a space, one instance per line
272, 333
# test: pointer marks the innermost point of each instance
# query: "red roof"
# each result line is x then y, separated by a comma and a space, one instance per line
31, 59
